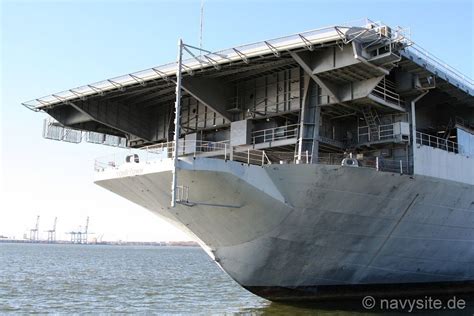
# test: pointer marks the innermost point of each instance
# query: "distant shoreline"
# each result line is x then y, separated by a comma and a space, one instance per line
112, 243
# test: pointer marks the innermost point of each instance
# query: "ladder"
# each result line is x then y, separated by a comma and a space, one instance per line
448, 130
373, 122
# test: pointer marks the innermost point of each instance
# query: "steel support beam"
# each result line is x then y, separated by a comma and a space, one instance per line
68, 115
114, 115
309, 122
304, 60
210, 92
316, 137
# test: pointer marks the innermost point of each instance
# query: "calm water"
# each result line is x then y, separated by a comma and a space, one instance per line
37, 278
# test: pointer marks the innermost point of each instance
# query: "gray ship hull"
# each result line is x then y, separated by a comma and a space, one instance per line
305, 232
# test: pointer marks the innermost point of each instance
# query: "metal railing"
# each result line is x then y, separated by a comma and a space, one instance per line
275, 133
385, 90
250, 156
401, 166
463, 122
384, 132
190, 147
222, 150
437, 142
157, 153
288, 157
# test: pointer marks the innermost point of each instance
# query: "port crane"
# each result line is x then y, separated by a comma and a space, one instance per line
80, 236
34, 236
52, 232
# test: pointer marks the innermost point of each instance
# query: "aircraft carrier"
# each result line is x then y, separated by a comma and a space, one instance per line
333, 163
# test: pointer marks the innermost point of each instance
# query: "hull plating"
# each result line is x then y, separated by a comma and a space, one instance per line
316, 227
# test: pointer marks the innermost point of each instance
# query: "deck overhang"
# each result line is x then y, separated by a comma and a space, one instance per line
348, 62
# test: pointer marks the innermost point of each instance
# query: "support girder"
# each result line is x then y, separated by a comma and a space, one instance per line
304, 60
120, 116
339, 92
151, 96
358, 89
211, 92
115, 115
332, 58
68, 115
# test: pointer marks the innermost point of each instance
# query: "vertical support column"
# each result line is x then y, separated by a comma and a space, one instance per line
317, 118
306, 80
177, 123
310, 116
413, 127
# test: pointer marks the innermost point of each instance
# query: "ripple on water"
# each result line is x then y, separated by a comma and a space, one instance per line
38, 278
84, 278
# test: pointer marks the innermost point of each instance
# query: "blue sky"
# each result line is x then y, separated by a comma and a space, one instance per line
50, 46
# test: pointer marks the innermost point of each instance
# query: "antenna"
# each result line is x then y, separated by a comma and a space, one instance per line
201, 23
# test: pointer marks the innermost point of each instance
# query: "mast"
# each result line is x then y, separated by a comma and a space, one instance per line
177, 123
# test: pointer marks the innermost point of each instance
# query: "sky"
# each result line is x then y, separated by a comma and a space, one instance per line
50, 46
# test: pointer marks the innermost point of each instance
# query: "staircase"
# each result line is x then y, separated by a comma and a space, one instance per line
373, 122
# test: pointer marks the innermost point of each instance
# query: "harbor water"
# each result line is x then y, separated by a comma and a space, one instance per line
64, 278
